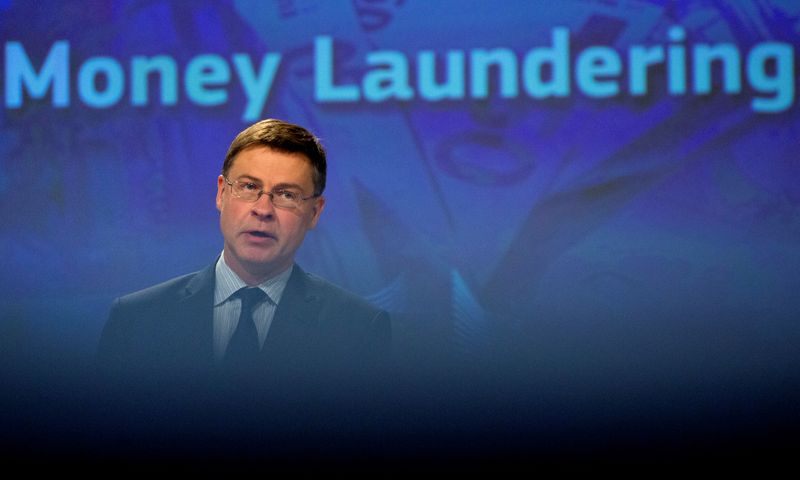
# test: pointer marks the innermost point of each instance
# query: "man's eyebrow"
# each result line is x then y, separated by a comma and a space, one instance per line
248, 177
285, 186
277, 186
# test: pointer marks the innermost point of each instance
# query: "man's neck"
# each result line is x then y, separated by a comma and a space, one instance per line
253, 276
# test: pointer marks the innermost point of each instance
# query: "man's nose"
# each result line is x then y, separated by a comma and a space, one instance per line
263, 207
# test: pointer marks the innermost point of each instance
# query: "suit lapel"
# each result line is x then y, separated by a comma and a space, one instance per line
296, 320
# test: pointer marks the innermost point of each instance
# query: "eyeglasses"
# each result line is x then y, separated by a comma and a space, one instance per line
281, 197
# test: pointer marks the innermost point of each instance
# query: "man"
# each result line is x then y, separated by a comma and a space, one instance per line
253, 312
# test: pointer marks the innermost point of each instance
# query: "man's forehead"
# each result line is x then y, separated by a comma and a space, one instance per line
262, 162
272, 151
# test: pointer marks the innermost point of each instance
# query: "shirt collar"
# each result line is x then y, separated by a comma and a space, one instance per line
228, 282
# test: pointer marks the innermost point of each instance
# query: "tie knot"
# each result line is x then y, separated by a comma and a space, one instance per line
251, 297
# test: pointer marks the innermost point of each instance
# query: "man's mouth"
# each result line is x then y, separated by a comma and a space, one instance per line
260, 234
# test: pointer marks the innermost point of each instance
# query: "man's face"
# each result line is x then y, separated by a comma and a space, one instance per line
261, 239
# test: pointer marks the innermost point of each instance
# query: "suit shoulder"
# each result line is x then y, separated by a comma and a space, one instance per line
142, 317
359, 331
333, 293
159, 292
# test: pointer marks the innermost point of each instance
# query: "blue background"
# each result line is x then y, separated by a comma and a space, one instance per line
635, 253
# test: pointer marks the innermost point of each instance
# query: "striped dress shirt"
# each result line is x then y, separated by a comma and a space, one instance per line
227, 306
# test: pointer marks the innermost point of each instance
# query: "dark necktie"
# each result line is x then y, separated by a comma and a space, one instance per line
244, 345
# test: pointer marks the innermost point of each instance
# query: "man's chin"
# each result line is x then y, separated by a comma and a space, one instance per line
264, 265
257, 254
254, 259
259, 263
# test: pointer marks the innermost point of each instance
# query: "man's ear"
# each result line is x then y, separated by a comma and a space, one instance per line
220, 188
317, 207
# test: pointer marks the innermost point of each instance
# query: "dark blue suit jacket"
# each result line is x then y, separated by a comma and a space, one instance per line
325, 367
165, 332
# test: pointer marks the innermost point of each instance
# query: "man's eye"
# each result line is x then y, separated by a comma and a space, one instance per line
249, 187
287, 194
